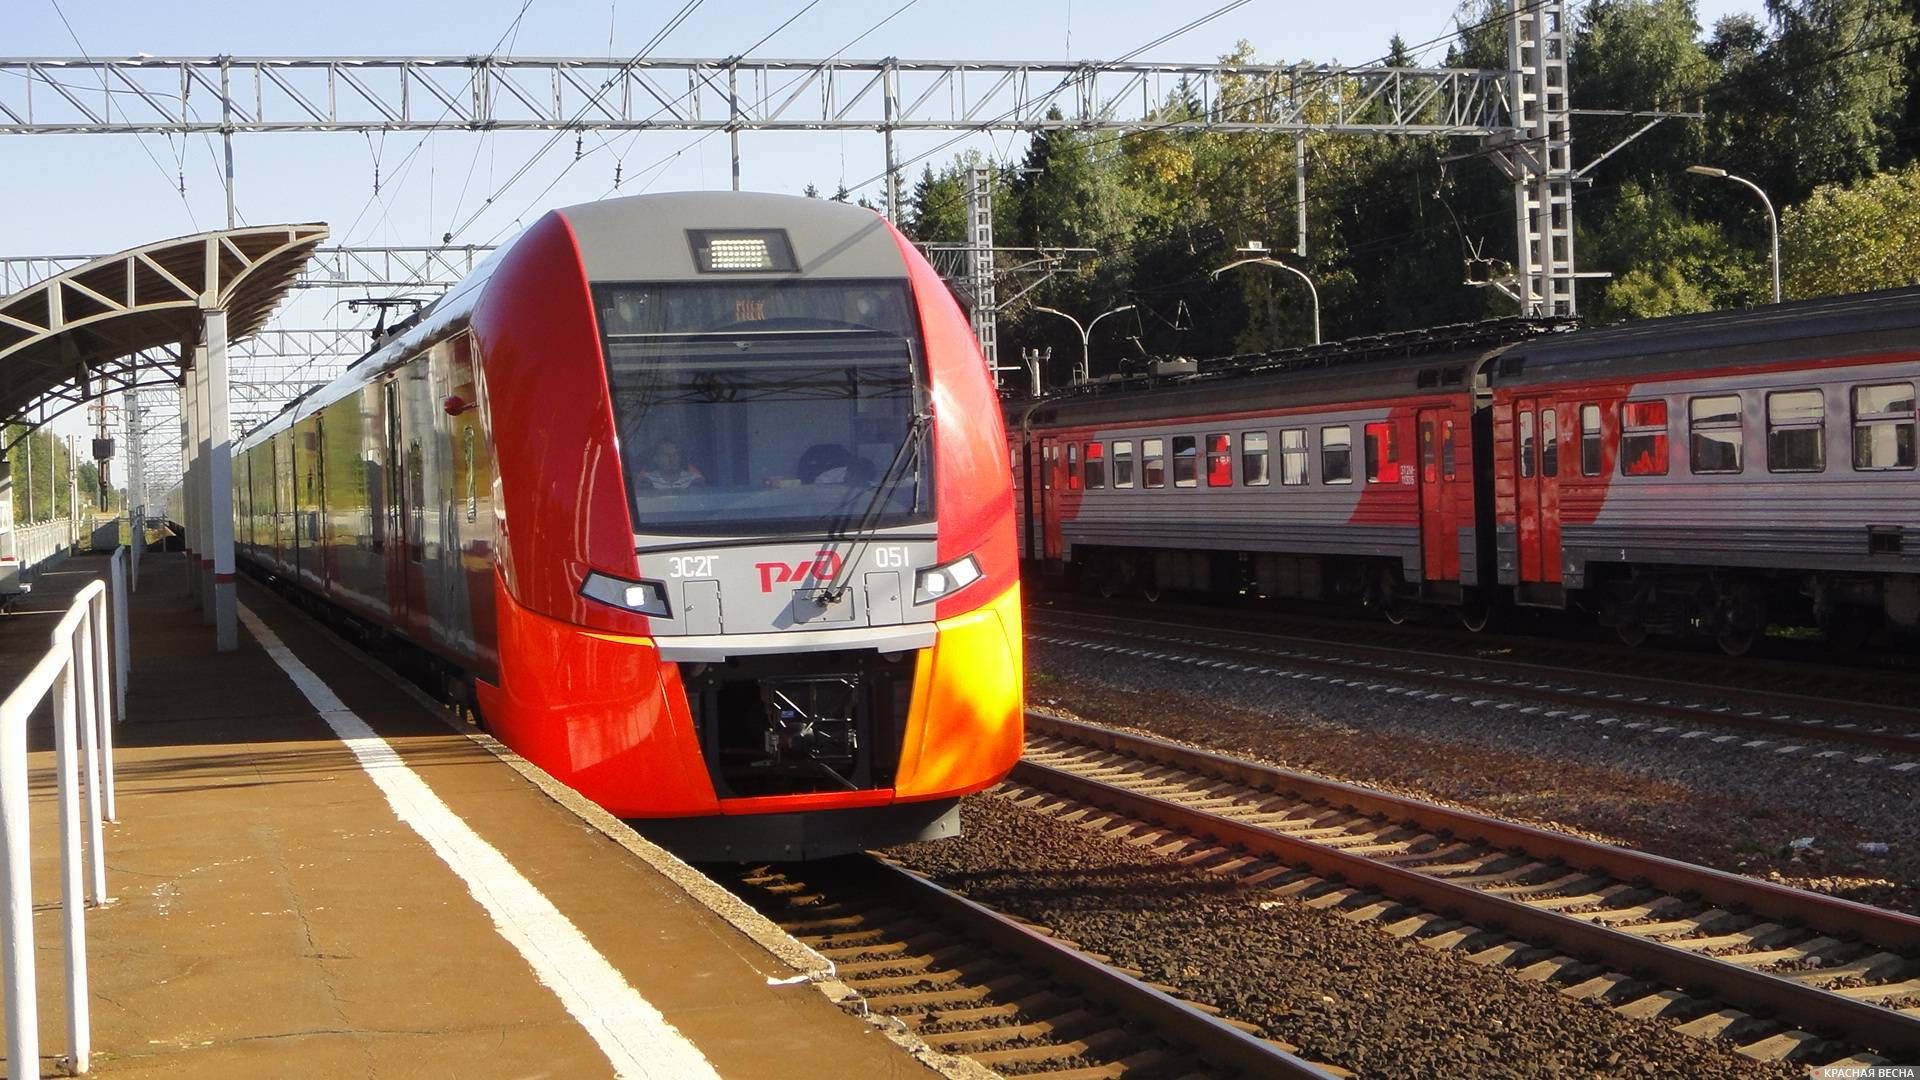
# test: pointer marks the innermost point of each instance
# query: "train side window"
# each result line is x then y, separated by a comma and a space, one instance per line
1096, 466
1449, 459
1293, 457
1153, 462
1253, 459
1336, 455
1219, 461
1049, 454
1643, 438
1714, 434
1550, 441
473, 481
1123, 464
1073, 467
1590, 445
1382, 453
1186, 461
1883, 427
1526, 443
1796, 431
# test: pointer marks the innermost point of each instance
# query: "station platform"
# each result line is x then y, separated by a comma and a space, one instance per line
314, 874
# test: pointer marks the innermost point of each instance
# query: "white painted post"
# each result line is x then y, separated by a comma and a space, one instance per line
73, 910
219, 503
87, 701
105, 701
203, 450
189, 451
136, 492
16, 900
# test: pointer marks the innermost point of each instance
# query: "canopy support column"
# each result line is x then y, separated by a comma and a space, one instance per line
136, 492
189, 453
219, 486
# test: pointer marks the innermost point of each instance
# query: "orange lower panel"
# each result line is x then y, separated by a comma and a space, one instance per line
605, 716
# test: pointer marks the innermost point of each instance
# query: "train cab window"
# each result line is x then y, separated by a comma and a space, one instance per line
1186, 461
1073, 467
1590, 445
1796, 431
1643, 438
1382, 453
1883, 427
1219, 461
1526, 444
1096, 466
1449, 457
1714, 434
1549, 441
1123, 464
1253, 459
1293, 457
1336, 455
1153, 462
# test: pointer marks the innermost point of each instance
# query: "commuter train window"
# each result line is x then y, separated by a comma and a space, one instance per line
1293, 457
473, 481
1643, 438
1186, 461
1796, 431
1073, 467
1096, 466
1049, 454
1219, 461
1382, 455
1526, 442
1153, 462
1253, 459
1449, 457
1336, 455
1549, 441
1590, 445
1123, 464
1883, 427
1714, 434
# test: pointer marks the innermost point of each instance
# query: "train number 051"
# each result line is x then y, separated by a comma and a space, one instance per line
890, 558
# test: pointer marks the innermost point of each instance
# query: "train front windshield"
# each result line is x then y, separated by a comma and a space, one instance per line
752, 409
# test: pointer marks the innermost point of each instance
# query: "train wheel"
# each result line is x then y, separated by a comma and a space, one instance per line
1734, 640
1150, 590
1741, 619
1631, 634
1475, 614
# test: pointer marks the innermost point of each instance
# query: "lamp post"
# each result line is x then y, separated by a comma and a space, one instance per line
1256, 252
1086, 336
1773, 220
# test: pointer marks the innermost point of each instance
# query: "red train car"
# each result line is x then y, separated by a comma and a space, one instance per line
700, 500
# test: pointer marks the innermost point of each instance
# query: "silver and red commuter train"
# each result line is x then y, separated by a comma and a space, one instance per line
1713, 473
700, 501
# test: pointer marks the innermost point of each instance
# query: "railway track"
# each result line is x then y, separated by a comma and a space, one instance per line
1790, 719
1011, 997
1782, 973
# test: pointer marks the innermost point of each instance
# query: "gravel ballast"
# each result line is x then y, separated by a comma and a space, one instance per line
1739, 810
1346, 993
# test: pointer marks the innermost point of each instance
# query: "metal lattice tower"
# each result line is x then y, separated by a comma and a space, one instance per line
1538, 158
986, 314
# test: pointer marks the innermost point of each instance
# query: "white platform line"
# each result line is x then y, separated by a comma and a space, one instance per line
639, 1042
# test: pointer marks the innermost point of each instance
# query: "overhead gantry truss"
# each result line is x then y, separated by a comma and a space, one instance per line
332, 267
229, 94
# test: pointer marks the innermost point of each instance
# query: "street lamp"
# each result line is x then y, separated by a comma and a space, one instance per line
1773, 220
1256, 252
1086, 336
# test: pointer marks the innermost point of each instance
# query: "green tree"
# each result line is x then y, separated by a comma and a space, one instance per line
1853, 238
1675, 263
1842, 68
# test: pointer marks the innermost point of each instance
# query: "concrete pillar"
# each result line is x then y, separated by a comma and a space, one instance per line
136, 491
203, 450
189, 450
226, 623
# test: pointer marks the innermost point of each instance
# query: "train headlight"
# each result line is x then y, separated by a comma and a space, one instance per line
940, 582
645, 597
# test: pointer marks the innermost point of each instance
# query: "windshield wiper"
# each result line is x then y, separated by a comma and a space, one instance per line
862, 534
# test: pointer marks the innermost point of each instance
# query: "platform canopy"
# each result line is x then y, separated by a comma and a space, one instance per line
121, 320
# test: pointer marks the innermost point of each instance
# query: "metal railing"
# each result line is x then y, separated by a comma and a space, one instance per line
87, 681
39, 544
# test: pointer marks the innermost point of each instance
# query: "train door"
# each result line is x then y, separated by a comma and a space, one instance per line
1050, 489
1439, 551
393, 485
1536, 473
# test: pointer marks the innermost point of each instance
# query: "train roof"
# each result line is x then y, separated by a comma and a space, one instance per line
1438, 360
1858, 324
646, 237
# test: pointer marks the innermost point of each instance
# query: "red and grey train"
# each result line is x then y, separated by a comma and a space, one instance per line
1713, 473
702, 498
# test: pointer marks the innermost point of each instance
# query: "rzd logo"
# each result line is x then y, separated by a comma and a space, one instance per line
823, 567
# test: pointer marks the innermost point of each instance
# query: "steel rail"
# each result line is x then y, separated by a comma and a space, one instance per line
1858, 1022
1221, 1044
1905, 743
